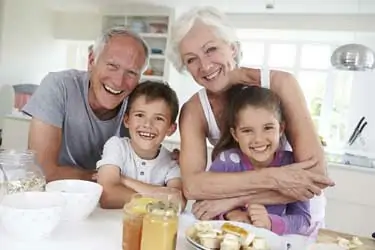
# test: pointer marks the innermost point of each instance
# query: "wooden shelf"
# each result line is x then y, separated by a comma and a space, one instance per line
157, 56
152, 25
152, 78
154, 35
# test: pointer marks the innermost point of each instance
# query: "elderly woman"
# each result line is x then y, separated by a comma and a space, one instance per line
206, 46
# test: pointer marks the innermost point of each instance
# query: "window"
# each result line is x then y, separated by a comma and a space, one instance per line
306, 54
256, 50
282, 55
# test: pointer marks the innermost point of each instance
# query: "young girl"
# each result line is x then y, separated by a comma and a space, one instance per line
251, 141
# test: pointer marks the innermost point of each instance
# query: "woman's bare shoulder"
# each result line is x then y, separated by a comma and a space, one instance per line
192, 112
278, 75
192, 107
282, 82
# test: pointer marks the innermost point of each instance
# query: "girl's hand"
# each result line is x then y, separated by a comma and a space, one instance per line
259, 216
238, 215
209, 209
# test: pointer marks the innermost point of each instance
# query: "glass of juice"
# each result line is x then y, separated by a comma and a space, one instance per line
133, 213
132, 227
160, 223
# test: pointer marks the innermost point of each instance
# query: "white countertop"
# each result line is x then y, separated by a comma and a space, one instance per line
102, 230
19, 116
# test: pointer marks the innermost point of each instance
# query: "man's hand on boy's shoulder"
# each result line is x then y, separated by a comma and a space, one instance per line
176, 155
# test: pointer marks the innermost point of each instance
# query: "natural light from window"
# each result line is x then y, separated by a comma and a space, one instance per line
306, 54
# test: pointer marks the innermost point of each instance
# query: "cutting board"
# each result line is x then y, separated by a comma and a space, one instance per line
329, 236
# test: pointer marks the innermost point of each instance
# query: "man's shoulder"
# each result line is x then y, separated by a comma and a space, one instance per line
68, 77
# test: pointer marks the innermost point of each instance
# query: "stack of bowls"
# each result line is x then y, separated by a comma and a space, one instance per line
34, 215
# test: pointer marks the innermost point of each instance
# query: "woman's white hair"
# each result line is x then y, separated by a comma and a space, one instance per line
209, 16
104, 38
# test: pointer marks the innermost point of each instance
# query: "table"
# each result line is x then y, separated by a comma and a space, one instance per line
102, 230
329, 236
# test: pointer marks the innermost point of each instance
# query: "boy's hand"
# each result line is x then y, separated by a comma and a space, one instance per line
259, 216
176, 155
238, 215
94, 177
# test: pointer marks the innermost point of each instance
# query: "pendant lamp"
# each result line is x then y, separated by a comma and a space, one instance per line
355, 57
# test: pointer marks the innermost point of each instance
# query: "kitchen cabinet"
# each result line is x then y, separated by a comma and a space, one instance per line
351, 204
153, 24
15, 132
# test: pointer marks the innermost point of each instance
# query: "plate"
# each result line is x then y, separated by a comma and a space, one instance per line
274, 241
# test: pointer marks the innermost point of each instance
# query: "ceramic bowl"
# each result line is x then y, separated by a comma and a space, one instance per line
31, 215
81, 197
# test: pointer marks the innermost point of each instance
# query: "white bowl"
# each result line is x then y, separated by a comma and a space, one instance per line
31, 215
82, 197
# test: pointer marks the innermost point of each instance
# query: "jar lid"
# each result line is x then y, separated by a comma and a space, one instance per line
162, 208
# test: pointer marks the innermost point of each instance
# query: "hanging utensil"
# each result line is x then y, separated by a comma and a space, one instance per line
356, 129
358, 133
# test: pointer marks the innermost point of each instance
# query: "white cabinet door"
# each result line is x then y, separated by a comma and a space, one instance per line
351, 204
15, 133
350, 217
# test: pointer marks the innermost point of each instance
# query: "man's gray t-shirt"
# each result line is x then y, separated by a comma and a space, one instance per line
61, 100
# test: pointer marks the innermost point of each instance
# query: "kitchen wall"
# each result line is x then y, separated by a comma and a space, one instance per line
29, 49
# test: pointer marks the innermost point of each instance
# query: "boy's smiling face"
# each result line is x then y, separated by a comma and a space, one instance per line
149, 122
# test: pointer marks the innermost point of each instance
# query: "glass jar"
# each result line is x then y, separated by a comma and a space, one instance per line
22, 172
160, 226
132, 227
133, 220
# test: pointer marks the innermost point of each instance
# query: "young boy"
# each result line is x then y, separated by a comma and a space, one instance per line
140, 164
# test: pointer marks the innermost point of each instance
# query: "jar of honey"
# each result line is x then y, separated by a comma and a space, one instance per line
160, 226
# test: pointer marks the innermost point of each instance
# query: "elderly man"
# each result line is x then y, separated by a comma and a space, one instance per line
75, 112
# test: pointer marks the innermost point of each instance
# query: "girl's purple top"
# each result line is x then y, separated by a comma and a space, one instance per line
292, 218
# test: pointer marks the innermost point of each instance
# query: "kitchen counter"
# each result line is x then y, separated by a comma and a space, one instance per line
330, 236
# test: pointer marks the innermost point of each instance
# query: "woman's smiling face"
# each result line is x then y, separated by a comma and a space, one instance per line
207, 57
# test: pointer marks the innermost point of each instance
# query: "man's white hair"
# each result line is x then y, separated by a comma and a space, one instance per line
209, 16
104, 38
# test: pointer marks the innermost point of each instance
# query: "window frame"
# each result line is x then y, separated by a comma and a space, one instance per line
328, 98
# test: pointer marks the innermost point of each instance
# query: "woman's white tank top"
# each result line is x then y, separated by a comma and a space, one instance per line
213, 129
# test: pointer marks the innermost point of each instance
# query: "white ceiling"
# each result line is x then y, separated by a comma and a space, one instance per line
235, 6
